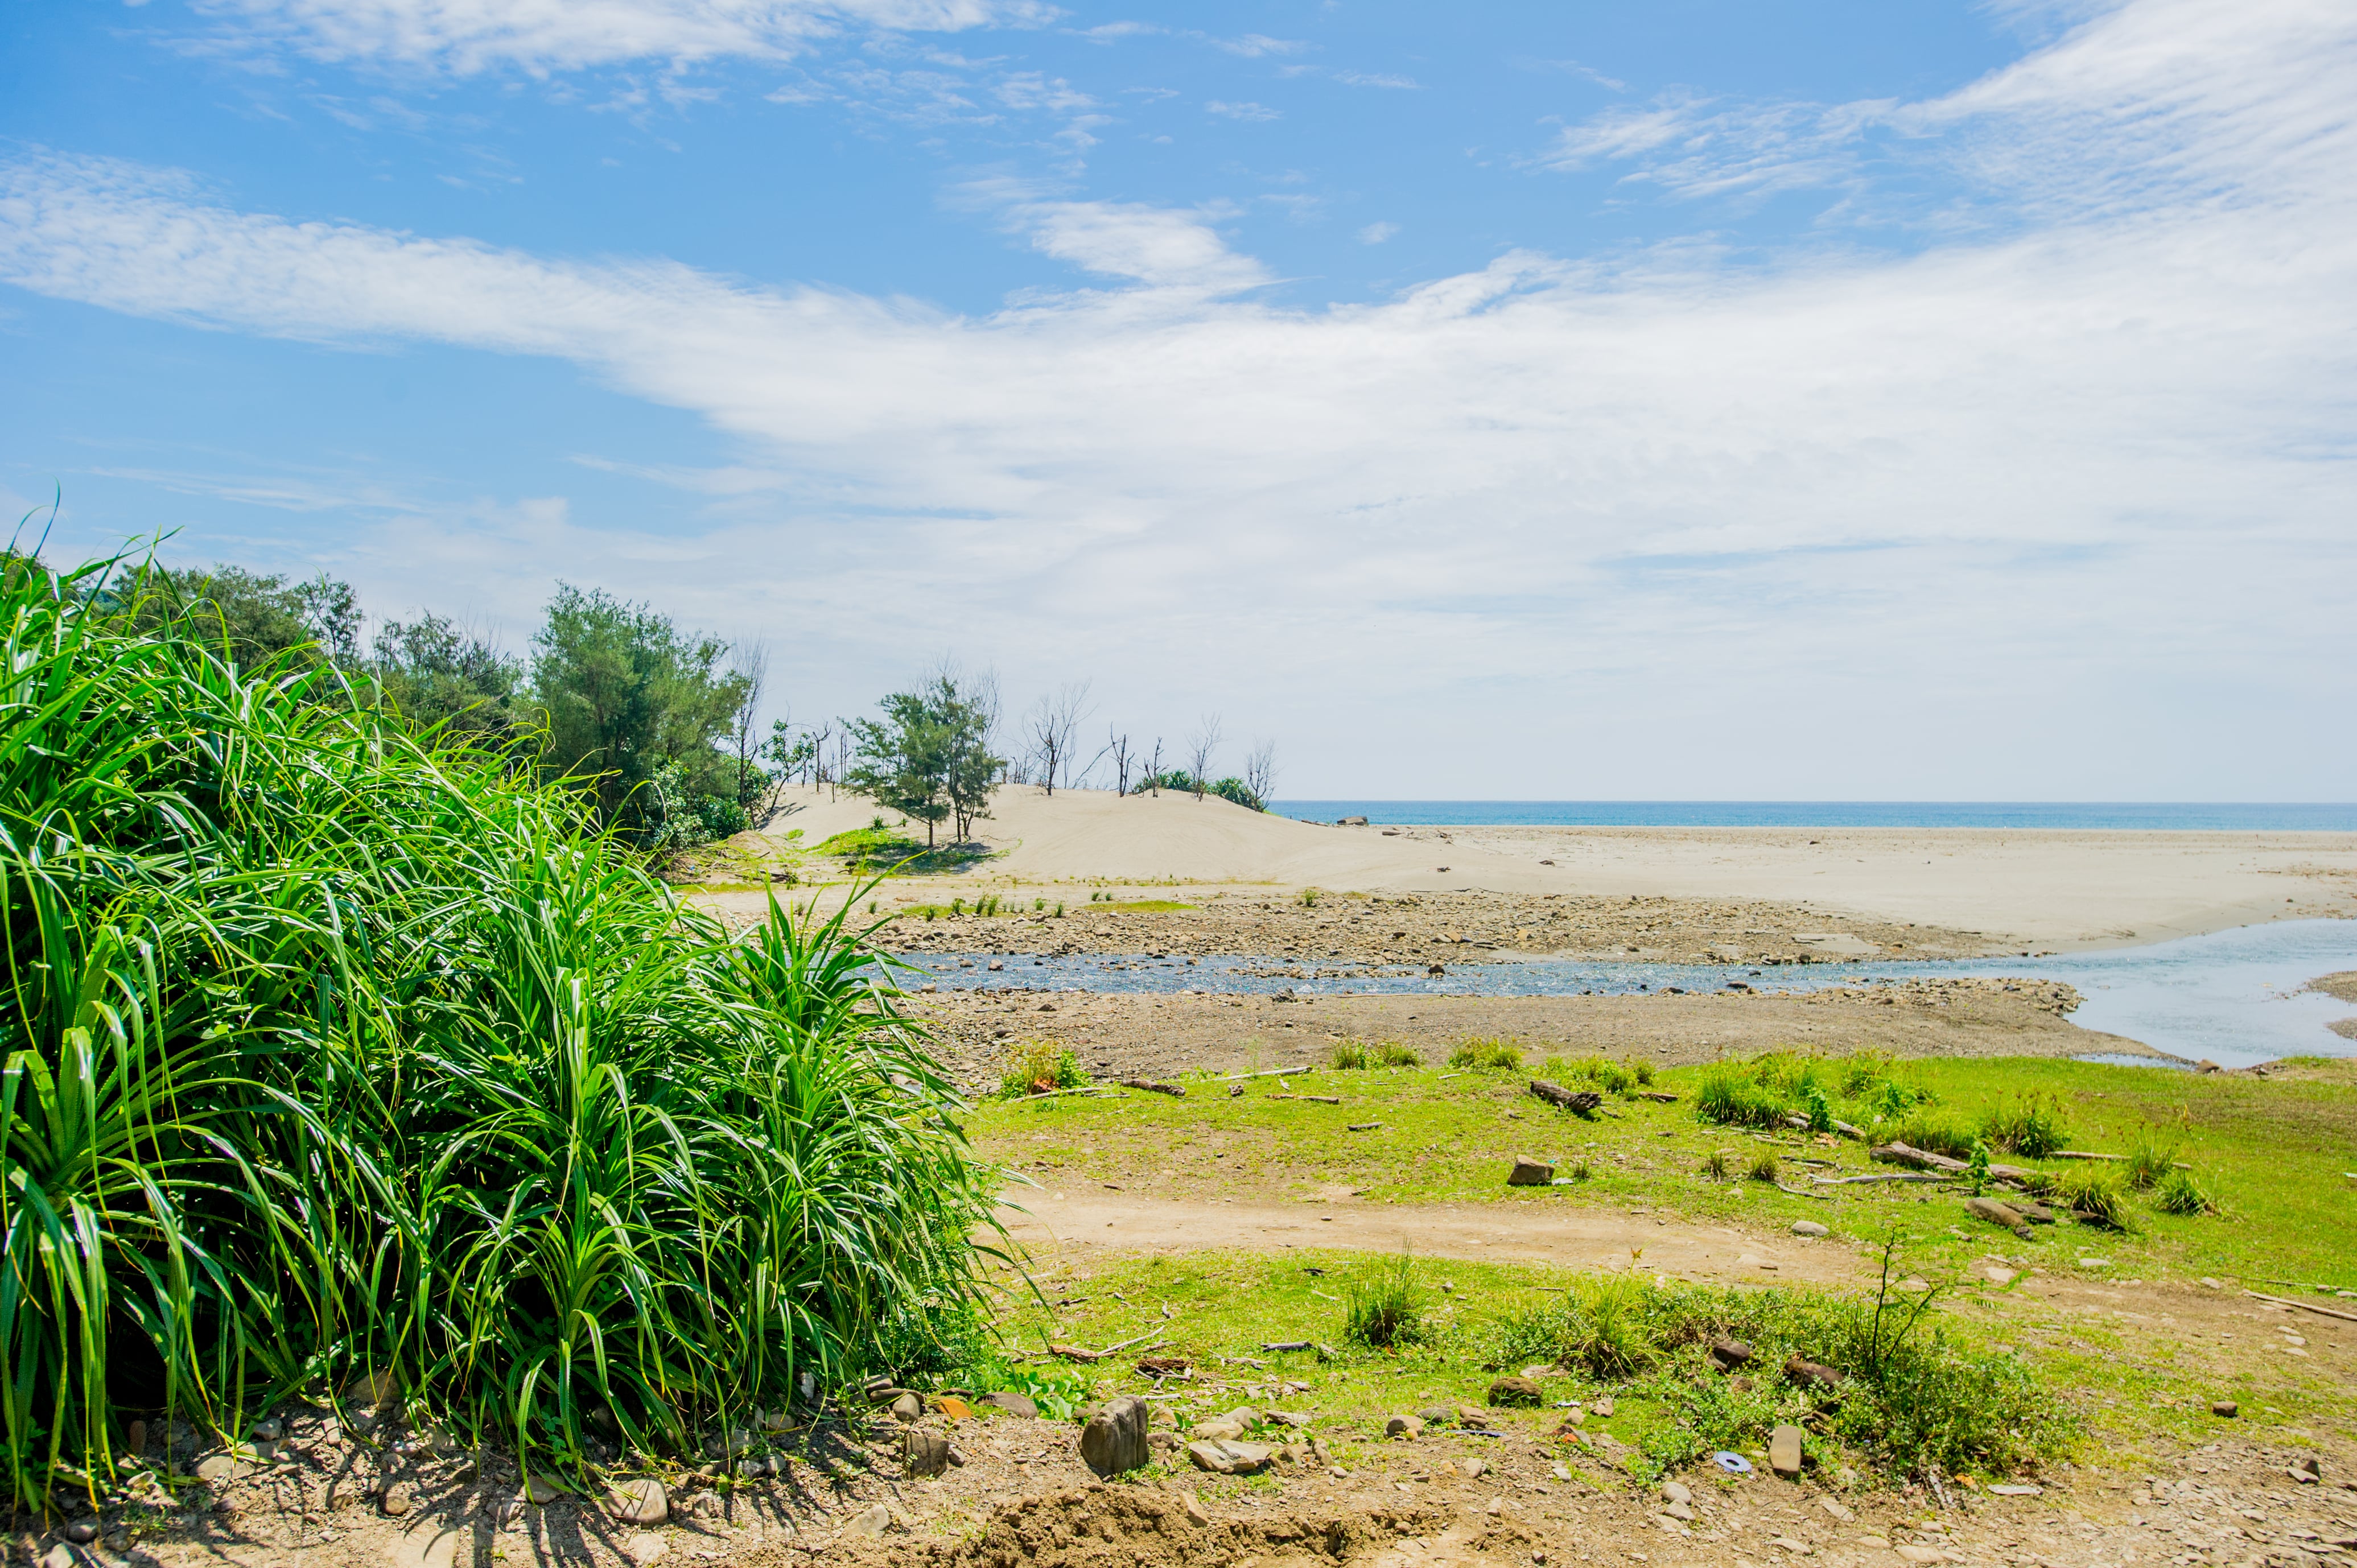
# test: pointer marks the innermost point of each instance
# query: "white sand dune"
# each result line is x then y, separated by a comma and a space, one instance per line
2047, 889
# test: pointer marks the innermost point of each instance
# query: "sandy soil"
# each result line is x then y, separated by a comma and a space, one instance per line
1130, 1035
2052, 889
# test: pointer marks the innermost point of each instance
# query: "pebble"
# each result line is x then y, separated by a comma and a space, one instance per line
399, 1499
542, 1491
216, 1470
1473, 1466
642, 1501
1784, 1450
1406, 1428
644, 1548
872, 1523
59, 1556
1196, 1514
907, 1407
1676, 1492
82, 1531
2226, 1407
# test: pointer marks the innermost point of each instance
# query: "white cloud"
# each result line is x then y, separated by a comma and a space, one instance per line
1376, 233
466, 37
1242, 111
2061, 508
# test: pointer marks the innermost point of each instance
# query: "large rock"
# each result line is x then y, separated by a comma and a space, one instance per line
1113, 1441
907, 1407
924, 1452
1405, 1428
642, 1501
1809, 1228
1528, 1172
1996, 1213
1784, 1450
1011, 1403
1230, 1458
1730, 1353
1800, 1370
1514, 1390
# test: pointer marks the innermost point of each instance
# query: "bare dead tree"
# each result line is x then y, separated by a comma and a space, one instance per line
750, 661
1154, 770
1260, 771
1199, 747
841, 760
1117, 746
818, 770
1049, 732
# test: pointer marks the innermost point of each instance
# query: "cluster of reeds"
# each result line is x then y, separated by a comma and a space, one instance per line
333, 1055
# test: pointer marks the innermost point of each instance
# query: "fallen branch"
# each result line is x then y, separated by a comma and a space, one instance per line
1583, 1104
1084, 1089
2305, 1307
1272, 1072
1283, 1346
2087, 1155
1074, 1352
1320, 1099
1801, 1192
1172, 1089
1659, 1096
1879, 1175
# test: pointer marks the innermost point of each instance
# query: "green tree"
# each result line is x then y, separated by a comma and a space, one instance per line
928, 756
629, 697
438, 679
248, 618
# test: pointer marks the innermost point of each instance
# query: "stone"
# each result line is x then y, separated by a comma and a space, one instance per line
926, 1453
1513, 1392
1809, 1228
2305, 1477
539, 1491
1011, 1404
1676, 1492
1682, 1512
707, 1505
871, 1523
1435, 1415
2018, 1492
1784, 1450
135, 1438
1291, 1418
1730, 1353
59, 1556
1196, 1514
1217, 1429
1245, 1416
1837, 1509
1923, 1553
372, 1390
642, 1501
1603, 1408
2226, 1407
1528, 1172
1996, 1213
82, 1531
907, 1407
644, 1548
216, 1470
1799, 1370
267, 1431
398, 1499
1113, 1441
1230, 1458
1472, 1464
1405, 1428
1998, 1275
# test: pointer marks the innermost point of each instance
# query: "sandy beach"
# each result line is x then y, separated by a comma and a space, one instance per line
1965, 890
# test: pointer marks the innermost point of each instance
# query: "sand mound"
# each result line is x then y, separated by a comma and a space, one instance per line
1085, 833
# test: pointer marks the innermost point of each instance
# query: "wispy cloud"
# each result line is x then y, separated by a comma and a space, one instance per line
1376, 233
2027, 458
464, 37
1247, 111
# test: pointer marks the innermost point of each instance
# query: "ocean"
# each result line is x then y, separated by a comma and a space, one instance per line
2239, 816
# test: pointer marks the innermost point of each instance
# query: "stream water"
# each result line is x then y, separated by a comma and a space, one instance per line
2235, 998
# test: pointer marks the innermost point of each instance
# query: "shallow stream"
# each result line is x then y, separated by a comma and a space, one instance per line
2235, 998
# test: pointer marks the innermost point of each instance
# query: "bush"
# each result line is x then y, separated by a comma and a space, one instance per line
1035, 1066
333, 1055
2033, 1127
2179, 1193
1384, 1309
1486, 1053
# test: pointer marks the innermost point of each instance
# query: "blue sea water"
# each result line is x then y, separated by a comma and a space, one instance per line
2235, 997
2158, 815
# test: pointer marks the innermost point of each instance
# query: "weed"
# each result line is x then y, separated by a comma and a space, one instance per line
1730, 1096
1385, 1308
2031, 1125
1765, 1166
1642, 1070
1478, 1054
2179, 1193
1036, 1067
1716, 1164
1605, 1325
1060, 909
1397, 1055
1037, 904
2093, 1192
1350, 1055
1579, 1171
2149, 1160
1308, 897
1924, 1128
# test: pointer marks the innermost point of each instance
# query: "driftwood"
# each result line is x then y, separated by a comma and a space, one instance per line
1583, 1104
1074, 1352
1320, 1099
1282, 1345
1272, 1072
2305, 1307
1879, 1175
1084, 1089
1172, 1089
1896, 1154
1659, 1096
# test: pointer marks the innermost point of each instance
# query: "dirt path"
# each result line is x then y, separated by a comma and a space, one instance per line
1066, 1220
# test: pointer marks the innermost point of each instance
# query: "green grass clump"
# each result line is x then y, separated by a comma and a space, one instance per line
1923, 1128
1393, 1054
2031, 1125
1383, 1308
2093, 1193
1352, 1055
1765, 1167
2179, 1193
1730, 1096
1036, 1067
333, 1054
1486, 1053
2150, 1162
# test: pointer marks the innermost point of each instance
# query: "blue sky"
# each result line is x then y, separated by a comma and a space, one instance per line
1693, 400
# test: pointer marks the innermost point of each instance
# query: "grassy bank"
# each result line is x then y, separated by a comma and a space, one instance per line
333, 1056
2270, 1153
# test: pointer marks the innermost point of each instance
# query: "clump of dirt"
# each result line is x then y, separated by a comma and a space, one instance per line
1139, 1528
